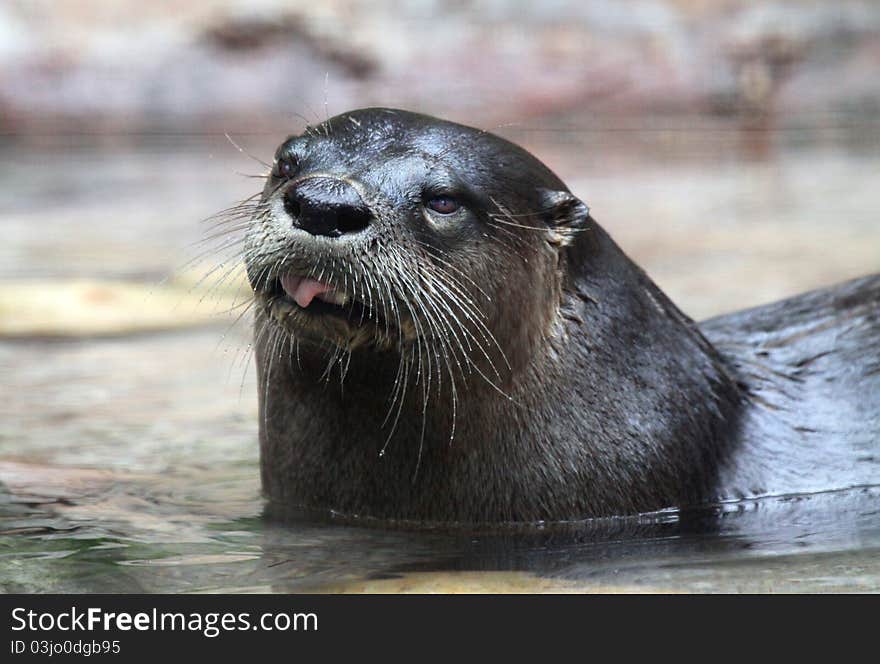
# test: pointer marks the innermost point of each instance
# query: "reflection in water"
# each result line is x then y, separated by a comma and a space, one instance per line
124, 538
130, 464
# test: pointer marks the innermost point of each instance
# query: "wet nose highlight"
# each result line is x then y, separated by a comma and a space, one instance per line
326, 206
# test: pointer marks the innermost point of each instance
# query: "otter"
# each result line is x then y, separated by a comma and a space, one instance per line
445, 334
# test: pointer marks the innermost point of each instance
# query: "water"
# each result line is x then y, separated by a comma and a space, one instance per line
128, 457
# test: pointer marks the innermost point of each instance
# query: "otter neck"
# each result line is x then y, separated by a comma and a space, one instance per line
616, 405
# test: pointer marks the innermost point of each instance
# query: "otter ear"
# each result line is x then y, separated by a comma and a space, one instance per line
562, 210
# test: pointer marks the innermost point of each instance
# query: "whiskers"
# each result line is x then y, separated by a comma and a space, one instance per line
419, 312
214, 272
418, 309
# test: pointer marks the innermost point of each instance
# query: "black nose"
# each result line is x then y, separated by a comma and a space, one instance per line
326, 206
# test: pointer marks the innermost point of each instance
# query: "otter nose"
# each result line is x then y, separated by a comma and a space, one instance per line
326, 206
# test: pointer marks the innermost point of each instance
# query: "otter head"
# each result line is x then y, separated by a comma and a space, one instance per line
392, 232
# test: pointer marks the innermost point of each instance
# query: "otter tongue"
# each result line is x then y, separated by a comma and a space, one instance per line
303, 289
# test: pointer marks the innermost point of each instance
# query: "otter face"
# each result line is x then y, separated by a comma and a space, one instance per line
393, 230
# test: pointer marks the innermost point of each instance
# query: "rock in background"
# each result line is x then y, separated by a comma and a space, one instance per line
127, 66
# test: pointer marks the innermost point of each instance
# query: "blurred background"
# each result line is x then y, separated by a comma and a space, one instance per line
731, 147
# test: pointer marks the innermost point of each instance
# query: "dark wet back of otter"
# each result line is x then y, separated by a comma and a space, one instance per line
810, 366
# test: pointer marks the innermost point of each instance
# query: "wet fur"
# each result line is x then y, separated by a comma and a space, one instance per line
542, 375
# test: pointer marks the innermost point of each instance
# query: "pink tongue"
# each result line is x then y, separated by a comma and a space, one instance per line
303, 289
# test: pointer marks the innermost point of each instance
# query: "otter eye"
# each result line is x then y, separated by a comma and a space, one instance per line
443, 204
285, 167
